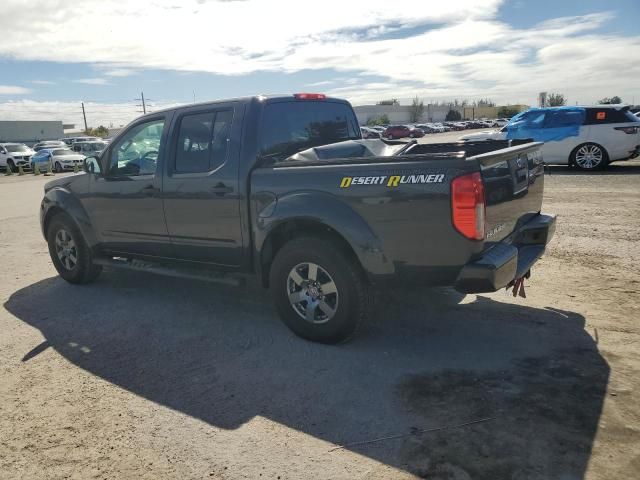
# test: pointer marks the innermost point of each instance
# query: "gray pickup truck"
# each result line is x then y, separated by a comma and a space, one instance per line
286, 189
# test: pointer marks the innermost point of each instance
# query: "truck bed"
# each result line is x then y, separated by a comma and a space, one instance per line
403, 194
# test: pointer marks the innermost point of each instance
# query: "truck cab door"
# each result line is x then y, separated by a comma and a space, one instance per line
124, 200
201, 190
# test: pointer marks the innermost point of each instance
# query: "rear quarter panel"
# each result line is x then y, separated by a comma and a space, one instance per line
617, 143
407, 220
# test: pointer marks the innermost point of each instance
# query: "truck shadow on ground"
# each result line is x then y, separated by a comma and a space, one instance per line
222, 355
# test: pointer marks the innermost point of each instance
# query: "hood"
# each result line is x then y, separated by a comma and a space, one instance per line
26, 153
60, 182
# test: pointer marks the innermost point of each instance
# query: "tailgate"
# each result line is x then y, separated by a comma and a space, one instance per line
514, 182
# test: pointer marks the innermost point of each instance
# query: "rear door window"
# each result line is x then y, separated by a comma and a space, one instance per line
597, 116
202, 141
290, 127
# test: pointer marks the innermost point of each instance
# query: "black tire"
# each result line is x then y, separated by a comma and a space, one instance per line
351, 300
58, 168
599, 160
11, 166
80, 271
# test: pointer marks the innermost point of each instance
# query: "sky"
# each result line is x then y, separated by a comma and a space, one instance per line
56, 54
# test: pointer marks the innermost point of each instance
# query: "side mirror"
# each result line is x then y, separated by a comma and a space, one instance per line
91, 165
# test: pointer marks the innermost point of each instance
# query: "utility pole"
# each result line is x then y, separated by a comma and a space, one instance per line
143, 103
84, 115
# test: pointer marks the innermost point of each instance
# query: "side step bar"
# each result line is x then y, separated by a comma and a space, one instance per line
188, 273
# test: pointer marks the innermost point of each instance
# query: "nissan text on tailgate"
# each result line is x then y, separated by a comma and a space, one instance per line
284, 188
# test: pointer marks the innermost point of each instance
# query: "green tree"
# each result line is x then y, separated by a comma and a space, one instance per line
393, 101
453, 116
608, 101
381, 120
507, 112
416, 110
556, 100
101, 131
484, 102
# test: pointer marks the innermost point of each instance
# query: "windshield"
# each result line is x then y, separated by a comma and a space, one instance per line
290, 127
16, 148
63, 151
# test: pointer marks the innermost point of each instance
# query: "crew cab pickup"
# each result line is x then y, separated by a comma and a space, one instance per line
286, 189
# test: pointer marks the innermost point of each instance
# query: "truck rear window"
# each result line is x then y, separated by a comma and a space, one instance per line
290, 127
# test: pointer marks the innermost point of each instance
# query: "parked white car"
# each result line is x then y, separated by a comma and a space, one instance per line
61, 159
48, 144
499, 122
15, 155
89, 148
72, 140
587, 137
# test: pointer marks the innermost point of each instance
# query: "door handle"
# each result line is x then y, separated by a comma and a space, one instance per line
150, 190
221, 189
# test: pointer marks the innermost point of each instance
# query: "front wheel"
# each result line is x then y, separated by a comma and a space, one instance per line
319, 291
58, 167
69, 252
11, 166
589, 156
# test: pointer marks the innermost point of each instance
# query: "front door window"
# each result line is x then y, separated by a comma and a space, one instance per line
136, 153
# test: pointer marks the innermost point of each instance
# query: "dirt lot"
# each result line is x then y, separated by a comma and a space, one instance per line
138, 376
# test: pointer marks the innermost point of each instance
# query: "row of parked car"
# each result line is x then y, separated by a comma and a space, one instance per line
61, 154
421, 129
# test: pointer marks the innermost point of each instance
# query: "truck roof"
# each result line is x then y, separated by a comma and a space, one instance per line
249, 99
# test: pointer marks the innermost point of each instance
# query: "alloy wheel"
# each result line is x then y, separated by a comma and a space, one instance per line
312, 293
66, 249
589, 157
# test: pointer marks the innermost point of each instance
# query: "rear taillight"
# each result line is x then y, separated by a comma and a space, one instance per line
467, 205
310, 96
629, 130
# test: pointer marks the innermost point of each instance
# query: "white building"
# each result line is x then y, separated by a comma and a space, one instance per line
30, 131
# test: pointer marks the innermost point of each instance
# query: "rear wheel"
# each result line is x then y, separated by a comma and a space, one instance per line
589, 156
319, 291
69, 252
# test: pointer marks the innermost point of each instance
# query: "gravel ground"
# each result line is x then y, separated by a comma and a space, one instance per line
137, 376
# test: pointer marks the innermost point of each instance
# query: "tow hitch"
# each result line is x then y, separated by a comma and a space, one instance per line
517, 284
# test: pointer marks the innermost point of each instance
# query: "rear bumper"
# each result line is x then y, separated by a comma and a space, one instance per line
505, 262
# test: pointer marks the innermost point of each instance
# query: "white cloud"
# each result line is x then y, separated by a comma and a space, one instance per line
92, 81
42, 82
463, 51
119, 72
13, 90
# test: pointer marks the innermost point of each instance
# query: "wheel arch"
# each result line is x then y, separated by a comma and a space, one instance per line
59, 200
575, 149
318, 214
